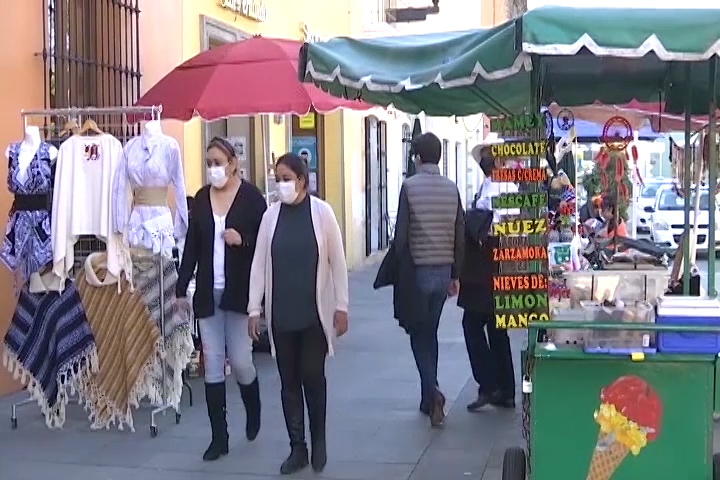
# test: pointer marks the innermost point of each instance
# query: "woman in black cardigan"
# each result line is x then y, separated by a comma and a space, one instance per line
220, 242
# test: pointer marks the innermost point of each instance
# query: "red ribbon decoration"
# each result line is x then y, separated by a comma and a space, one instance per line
634, 153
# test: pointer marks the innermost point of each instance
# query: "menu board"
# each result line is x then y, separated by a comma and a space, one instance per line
521, 289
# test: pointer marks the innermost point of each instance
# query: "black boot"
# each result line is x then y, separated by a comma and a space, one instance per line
251, 398
316, 400
294, 412
215, 399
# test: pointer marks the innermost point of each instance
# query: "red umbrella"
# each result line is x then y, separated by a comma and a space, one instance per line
250, 77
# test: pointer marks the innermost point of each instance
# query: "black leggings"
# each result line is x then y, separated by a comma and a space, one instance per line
300, 357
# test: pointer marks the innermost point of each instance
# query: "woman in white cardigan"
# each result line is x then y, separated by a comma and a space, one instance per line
299, 270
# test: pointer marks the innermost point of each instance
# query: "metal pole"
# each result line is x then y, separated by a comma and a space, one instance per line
712, 174
687, 183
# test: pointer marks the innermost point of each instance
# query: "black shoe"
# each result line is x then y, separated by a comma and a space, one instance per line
478, 403
296, 461
501, 400
251, 398
215, 399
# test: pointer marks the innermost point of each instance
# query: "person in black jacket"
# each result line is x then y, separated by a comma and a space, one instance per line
488, 347
220, 242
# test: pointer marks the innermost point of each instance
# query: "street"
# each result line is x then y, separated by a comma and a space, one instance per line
374, 428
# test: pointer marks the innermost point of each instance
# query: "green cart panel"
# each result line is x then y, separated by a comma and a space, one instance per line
566, 393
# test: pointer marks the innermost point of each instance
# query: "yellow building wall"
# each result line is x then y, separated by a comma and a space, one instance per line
325, 18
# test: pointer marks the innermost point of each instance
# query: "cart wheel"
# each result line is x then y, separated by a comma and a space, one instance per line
177, 417
13, 423
153, 431
514, 464
716, 466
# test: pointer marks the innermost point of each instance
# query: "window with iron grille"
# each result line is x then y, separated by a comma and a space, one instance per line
91, 56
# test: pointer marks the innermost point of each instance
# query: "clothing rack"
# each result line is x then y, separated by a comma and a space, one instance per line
123, 123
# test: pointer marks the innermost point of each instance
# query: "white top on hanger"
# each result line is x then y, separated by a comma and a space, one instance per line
89, 161
28, 149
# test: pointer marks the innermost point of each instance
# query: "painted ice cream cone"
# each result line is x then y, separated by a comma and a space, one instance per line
629, 417
606, 460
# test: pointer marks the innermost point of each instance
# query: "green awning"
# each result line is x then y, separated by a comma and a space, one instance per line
448, 73
584, 54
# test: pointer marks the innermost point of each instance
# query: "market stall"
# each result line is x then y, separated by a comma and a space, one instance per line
640, 374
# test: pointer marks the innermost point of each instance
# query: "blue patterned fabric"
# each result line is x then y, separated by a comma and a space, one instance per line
27, 246
50, 338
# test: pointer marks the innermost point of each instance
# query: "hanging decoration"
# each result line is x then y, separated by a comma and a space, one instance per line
634, 154
565, 119
617, 133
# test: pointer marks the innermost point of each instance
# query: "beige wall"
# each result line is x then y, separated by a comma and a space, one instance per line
454, 15
493, 12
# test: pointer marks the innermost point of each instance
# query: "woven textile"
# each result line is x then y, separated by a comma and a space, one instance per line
178, 345
50, 348
127, 339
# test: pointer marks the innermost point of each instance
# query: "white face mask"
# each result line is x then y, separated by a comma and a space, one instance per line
217, 176
286, 192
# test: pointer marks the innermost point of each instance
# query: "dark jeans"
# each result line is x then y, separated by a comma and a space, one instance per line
490, 357
433, 283
300, 357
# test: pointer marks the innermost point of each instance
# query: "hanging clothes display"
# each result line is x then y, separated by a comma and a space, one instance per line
127, 340
27, 245
82, 201
178, 346
152, 162
49, 346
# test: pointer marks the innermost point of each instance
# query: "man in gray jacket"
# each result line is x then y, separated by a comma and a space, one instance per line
430, 223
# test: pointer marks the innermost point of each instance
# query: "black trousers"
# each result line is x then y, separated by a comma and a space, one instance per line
490, 356
300, 357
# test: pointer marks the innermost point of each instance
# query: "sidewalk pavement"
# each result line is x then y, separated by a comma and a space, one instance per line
375, 431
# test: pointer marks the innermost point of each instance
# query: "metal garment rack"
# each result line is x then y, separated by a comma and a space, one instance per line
115, 121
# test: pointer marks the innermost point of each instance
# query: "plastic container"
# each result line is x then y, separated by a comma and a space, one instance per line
630, 286
566, 336
619, 342
688, 311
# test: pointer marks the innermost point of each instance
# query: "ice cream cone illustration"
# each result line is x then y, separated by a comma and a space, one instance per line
629, 417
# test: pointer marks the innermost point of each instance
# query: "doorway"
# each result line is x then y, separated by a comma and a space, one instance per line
238, 130
376, 196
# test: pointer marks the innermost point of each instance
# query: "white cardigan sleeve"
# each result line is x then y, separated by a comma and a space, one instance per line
336, 255
257, 270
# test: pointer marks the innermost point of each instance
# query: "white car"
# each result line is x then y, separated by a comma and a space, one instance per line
647, 199
667, 219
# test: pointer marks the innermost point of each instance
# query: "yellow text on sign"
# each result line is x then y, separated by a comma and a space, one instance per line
518, 227
519, 320
518, 149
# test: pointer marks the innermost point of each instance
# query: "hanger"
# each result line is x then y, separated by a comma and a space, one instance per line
71, 128
90, 126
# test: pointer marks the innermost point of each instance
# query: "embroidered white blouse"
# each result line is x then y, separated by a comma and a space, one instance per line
82, 201
150, 161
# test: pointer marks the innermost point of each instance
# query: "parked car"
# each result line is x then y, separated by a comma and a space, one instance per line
647, 198
667, 218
